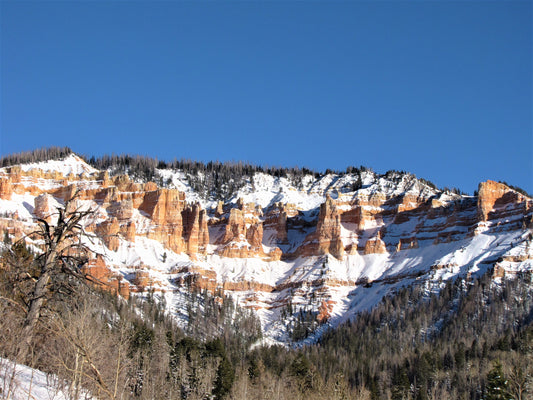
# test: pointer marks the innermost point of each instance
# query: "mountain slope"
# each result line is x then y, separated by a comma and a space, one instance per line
306, 252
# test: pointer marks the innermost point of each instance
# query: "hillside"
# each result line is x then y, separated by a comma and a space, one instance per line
305, 251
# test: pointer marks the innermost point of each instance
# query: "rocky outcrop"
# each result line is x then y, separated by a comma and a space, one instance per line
407, 243
121, 210
164, 207
219, 211
6, 188
128, 231
235, 227
101, 275
196, 278
496, 201
142, 280
274, 255
254, 236
375, 246
327, 237
386, 218
236, 250
108, 231
324, 311
195, 230
44, 207
243, 233
13, 227
277, 220
244, 286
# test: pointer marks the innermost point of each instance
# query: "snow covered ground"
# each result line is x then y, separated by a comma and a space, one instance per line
69, 165
19, 382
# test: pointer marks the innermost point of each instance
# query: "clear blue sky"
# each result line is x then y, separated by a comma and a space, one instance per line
439, 89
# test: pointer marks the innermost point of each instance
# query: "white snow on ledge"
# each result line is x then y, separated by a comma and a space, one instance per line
69, 165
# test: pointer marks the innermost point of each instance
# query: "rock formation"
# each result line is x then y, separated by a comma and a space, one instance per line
6, 188
496, 201
108, 231
369, 236
327, 237
43, 207
195, 230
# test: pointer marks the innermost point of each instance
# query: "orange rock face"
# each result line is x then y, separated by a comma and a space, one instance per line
108, 232
197, 278
43, 207
235, 227
103, 277
375, 246
274, 255
254, 236
122, 210
195, 230
363, 222
6, 188
164, 207
128, 231
327, 238
277, 220
243, 234
496, 200
324, 312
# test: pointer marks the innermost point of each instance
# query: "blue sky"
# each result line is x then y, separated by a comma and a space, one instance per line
439, 89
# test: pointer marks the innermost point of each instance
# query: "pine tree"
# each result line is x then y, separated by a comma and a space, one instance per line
224, 380
496, 383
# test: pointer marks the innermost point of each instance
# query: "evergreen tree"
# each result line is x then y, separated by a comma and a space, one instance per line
496, 383
224, 379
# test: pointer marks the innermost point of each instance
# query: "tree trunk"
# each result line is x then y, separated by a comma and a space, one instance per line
36, 304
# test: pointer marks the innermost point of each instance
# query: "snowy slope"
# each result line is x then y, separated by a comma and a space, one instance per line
297, 283
70, 165
19, 382
266, 190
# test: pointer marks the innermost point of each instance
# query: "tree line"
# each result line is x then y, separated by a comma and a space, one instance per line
214, 180
34, 156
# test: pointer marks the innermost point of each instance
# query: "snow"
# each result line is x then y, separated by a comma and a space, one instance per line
72, 164
22, 205
362, 280
266, 190
178, 180
19, 382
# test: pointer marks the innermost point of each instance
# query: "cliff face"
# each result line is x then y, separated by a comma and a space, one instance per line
196, 232
496, 201
326, 250
327, 237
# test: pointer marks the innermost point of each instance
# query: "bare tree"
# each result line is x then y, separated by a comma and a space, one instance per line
63, 253
519, 380
90, 350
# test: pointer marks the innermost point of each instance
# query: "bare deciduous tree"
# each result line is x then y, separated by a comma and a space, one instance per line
90, 353
63, 253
